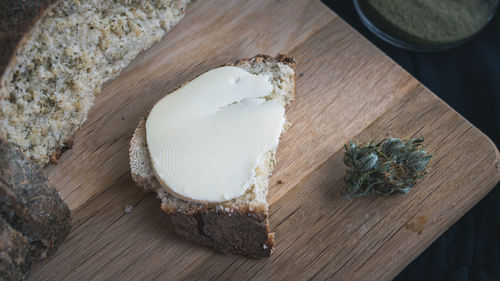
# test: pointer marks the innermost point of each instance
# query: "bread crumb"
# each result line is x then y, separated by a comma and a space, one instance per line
128, 209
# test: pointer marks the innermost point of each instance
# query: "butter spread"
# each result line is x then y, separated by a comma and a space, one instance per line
207, 138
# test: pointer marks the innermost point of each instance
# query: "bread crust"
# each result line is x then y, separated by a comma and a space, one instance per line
290, 61
29, 203
54, 158
148, 183
266, 58
15, 257
242, 230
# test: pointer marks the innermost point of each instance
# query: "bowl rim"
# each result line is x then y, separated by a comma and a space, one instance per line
412, 46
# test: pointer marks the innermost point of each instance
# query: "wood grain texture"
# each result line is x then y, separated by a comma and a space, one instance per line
325, 236
346, 88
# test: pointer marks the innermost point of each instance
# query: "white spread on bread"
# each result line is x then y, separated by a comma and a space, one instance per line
207, 138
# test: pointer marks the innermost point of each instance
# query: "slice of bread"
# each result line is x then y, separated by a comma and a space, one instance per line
240, 225
56, 55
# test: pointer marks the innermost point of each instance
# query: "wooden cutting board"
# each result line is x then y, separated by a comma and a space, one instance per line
346, 89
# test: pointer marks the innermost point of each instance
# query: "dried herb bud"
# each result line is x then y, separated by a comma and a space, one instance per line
390, 166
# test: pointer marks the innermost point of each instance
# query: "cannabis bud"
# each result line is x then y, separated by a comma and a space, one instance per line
392, 165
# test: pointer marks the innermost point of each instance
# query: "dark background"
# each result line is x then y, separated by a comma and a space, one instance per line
468, 79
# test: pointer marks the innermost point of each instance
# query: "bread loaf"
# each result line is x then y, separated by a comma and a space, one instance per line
240, 225
30, 204
55, 56
15, 256
34, 220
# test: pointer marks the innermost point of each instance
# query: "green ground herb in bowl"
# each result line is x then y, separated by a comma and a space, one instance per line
427, 22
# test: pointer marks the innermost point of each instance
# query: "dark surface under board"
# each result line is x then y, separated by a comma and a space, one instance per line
468, 79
